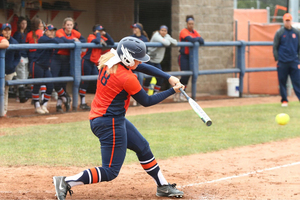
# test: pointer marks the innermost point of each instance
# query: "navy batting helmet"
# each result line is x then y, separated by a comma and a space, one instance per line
130, 49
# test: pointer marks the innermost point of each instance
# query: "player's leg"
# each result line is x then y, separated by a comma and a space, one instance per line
48, 92
137, 143
22, 73
36, 72
55, 67
112, 135
282, 72
86, 69
65, 71
295, 78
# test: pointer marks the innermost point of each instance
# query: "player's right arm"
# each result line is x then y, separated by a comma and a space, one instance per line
132, 87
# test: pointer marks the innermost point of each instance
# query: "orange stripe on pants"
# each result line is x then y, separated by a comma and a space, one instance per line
113, 147
94, 175
149, 165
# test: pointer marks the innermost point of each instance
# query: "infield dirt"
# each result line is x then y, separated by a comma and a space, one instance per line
216, 175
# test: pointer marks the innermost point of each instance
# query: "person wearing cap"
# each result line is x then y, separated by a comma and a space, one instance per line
286, 51
157, 54
22, 68
60, 64
90, 60
40, 68
138, 32
188, 34
12, 59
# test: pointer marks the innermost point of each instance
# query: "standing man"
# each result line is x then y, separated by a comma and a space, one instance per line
286, 51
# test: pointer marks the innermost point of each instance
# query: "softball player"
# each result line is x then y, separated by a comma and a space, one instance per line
157, 54
138, 32
60, 63
116, 84
91, 58
187, 34
40, 67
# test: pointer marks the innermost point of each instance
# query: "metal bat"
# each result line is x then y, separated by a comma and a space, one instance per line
200, 112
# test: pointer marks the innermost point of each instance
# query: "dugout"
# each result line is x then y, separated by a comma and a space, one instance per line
213, 20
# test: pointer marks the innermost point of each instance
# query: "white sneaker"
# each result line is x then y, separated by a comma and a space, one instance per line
176, 97
39, 110
44, 108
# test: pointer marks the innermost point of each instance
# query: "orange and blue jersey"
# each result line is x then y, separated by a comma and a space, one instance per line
31, 40
113, 92
189, 36
74, 34
93, 54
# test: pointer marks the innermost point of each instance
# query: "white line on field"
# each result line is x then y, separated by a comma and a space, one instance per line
241, 175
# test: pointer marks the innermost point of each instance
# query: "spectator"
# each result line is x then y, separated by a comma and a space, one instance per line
286, 50
41, 68
90, 59
187, 34
12, 59
60, 64
22, 68
138, 32
157, 54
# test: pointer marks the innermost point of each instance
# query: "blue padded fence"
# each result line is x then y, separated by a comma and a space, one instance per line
75, 61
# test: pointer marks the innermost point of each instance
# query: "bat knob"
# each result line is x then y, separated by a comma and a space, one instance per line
208, 123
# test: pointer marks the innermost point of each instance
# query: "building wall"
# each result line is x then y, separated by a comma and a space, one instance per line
85, 21
116, 17
214, 22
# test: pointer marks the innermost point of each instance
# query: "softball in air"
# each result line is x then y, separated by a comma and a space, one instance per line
282, 118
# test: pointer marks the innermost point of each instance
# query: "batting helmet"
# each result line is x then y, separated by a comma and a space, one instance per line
130, 49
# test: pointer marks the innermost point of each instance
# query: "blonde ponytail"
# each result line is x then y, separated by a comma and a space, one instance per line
103, 59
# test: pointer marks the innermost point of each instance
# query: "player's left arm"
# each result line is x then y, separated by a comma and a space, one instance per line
151, 70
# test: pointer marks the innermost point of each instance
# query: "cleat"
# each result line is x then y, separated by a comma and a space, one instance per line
61, 187
67, 103
169, 190
22, 95
284, 104
39, 110
44, 108
59, 109
84, 107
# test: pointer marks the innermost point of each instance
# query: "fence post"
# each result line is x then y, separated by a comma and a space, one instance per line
241, 65
194, 67
2, 81
75, 71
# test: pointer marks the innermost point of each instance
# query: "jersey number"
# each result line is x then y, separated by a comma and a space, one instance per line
104, 78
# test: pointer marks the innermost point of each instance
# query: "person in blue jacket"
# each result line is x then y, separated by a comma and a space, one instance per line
22, 67
91, 58
12, 59
138, 32
40, 67
286, 50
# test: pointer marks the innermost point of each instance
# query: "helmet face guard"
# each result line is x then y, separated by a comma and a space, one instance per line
130, 49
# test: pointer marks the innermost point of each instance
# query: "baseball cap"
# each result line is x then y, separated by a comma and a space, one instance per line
50, 27
6, 25
287, 16
99, 28
136, 26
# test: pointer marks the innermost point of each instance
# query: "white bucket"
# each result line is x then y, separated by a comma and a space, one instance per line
233, 87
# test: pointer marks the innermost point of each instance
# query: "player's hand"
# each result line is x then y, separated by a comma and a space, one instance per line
76, 40
173, 80
102, 32
177, 87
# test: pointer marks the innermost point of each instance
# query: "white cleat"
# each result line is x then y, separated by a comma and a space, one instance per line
39, 110
44, 108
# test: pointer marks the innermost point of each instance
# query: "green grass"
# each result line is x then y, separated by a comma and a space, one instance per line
169, 134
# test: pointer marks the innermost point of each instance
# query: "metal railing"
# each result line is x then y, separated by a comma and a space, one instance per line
75, 62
